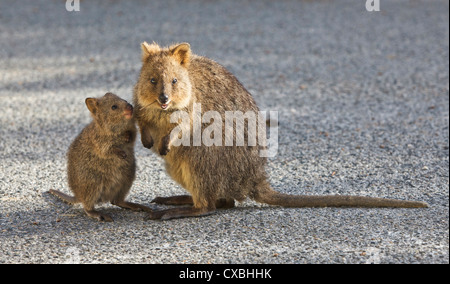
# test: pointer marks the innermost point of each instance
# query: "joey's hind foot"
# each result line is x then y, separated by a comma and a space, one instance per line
99, 216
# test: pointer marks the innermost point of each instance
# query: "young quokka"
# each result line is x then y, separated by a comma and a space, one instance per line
101, 164
173, 79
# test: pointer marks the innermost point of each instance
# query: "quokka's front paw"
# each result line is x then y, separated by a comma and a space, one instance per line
147, 144
165, 147
146, 139
164, 150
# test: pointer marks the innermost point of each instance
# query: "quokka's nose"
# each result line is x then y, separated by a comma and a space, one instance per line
163, 98
129, 107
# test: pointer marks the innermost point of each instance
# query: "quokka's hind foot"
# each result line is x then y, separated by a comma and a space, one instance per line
180, 212
174, 200
132, 206
225, 203
187, 200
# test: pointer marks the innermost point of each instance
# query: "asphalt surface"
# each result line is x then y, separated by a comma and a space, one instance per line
363, 105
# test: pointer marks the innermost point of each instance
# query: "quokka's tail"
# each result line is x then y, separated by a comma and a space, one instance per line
273, 197
64, 197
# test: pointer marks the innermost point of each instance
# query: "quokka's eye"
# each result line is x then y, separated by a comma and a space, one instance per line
114, 107
174, 81
153, 81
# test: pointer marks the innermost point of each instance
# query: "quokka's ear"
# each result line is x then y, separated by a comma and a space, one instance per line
92, 105
149, 49
182, 53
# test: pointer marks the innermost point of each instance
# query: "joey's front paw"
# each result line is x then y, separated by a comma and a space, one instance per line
120, 153
128, 136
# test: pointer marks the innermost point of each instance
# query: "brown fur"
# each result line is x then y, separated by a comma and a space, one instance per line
101, 164
215, 176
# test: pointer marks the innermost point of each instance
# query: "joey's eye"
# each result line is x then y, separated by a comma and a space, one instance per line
174, 81
153, 81
114, 107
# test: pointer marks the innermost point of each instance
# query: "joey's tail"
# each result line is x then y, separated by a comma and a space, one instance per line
64, 197
272, 197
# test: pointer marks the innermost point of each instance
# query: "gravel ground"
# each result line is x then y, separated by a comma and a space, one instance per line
363, 103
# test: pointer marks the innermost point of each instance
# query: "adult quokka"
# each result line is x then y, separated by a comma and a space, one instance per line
173, 79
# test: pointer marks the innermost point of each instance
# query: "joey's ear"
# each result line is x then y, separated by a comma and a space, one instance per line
182, 53
92, 104
149, 49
